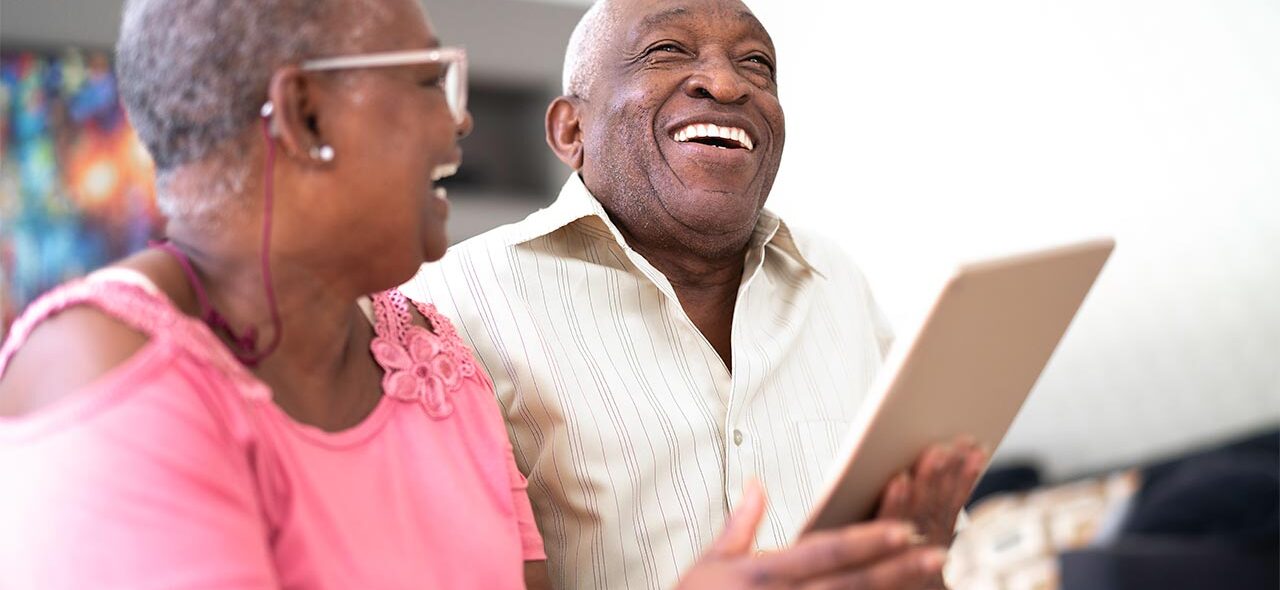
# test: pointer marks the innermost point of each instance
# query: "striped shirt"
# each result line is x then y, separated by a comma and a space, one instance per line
634, 435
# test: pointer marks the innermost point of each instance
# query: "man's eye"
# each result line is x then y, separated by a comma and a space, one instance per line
432, 82
665, 48
762, 60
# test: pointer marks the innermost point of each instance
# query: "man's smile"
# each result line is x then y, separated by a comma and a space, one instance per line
725, 137
714, 138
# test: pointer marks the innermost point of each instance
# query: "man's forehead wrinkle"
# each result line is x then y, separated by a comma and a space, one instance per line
681, 13
660, 18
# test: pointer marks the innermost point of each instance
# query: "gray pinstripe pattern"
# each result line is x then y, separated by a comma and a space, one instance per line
623, 416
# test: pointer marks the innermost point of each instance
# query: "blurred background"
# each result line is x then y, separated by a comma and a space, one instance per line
921, 133
77, 190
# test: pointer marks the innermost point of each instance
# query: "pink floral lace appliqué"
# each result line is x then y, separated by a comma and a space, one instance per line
422, 370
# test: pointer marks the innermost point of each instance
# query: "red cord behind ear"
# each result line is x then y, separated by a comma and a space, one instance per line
243, 346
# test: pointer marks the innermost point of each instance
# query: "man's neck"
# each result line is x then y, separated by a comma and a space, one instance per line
706, 287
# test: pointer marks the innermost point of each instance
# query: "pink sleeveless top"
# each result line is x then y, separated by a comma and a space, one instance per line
176, 469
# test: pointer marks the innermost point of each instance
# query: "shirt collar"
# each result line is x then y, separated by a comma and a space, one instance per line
578, 207
772, 232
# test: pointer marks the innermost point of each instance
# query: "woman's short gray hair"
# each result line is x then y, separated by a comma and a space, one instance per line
193, 74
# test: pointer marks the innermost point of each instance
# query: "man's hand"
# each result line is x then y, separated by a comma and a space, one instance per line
932, 493
879, 555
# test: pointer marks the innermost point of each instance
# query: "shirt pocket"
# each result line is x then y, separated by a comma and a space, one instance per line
818, 442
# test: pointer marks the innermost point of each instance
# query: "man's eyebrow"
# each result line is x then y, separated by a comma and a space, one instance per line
659, 18
756, 26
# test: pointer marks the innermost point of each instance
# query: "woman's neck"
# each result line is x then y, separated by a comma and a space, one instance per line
316, 306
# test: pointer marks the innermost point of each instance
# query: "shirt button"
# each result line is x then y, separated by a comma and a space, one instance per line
737, 438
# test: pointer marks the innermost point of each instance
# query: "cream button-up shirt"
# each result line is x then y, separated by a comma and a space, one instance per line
636, 438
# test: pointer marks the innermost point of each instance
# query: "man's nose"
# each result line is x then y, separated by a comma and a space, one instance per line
718, 79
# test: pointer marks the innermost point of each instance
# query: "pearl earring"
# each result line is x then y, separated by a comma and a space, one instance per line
267, 110
322, 153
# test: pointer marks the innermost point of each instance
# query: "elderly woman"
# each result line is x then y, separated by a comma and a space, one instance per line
231, 408
219, 411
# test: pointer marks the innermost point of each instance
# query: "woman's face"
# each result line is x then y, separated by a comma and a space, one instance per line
392, 131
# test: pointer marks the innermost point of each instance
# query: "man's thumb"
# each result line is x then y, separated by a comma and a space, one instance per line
740, 531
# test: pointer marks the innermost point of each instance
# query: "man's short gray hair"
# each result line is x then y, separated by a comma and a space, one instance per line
193, 74
582, 58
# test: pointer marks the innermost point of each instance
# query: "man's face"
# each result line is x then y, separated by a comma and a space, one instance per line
682, 128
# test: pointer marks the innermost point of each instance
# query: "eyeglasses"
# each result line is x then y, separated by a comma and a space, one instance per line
453, 81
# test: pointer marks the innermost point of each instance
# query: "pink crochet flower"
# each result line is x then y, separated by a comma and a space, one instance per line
423, 371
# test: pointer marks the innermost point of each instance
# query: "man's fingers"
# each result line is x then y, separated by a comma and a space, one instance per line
740, 532
831, 551
905, 494
973, 465
975, 456
913, 569
897, 497
966, 442
949, 470
933, 464
970, 463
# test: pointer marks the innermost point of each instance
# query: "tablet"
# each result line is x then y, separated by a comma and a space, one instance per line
965, 371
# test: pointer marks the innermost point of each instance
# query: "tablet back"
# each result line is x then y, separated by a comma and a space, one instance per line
967, 370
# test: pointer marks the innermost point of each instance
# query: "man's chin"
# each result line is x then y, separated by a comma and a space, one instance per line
715, 211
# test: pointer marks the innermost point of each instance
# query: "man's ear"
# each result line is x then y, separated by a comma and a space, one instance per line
564, 130
295, 119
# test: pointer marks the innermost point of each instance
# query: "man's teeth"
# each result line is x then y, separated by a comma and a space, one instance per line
709, 130
443, 171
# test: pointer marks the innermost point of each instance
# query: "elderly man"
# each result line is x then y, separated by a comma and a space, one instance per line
656, 338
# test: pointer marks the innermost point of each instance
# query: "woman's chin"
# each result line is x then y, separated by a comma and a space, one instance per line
435, 249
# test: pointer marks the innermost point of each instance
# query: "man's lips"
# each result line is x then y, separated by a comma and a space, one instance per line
730, 133
719, 159
714, 135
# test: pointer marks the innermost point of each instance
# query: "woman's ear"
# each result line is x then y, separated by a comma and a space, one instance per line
295, 114
564, 130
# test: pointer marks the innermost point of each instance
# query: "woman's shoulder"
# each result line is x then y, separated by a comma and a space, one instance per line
63, 354
84, 332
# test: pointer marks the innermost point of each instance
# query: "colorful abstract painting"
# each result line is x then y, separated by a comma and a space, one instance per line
76, 185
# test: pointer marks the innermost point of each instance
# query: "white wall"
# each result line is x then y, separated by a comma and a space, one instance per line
923, 132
